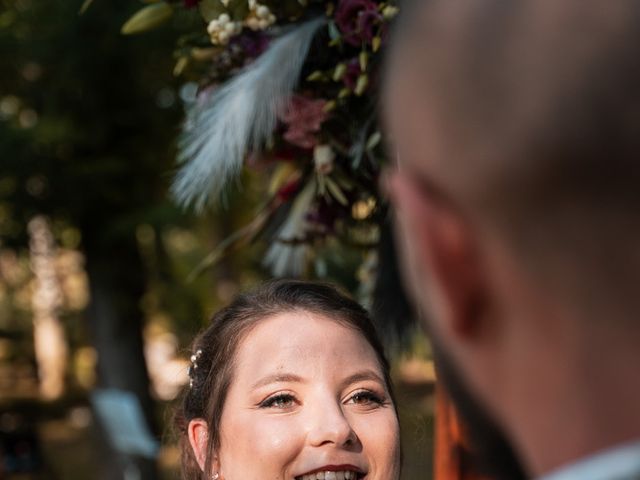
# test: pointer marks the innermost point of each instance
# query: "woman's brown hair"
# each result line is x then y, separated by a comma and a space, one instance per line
215, 347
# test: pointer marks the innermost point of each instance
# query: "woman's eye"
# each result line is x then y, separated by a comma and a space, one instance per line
279, 401
366, 398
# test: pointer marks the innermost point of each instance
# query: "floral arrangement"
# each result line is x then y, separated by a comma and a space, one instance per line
290, 87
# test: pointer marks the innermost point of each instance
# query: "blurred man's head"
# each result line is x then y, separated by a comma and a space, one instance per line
517, 129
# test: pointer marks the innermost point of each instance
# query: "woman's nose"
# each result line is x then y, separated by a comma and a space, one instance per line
330, 426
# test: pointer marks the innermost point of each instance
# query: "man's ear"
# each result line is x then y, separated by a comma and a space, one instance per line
441, 247
451, 256
198, 433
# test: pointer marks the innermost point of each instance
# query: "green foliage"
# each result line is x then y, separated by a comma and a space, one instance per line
148, 18
86, 122
212, 9
89, 127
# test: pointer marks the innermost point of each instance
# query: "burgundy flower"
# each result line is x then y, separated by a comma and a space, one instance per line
191, 3
288, 190
351, 75
323, 216
303, 118
252, 44
357, 20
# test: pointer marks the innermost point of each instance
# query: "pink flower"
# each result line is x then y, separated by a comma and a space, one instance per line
356, 20
303, 118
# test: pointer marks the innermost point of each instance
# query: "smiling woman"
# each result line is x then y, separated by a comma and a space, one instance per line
289, 382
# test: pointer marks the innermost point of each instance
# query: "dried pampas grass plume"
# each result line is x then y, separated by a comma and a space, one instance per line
237, 118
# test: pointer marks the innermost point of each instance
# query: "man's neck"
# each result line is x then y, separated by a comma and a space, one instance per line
576, 401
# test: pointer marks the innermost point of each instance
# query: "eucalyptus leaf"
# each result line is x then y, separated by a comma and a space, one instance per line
334, 33
283, 174
85, 6
322, 189
343, 181
336, 191
180, 66
238, 239
374, 140
147, 18
285, 9
239, 9
211, 9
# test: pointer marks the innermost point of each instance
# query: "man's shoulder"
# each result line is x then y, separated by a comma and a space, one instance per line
618, 463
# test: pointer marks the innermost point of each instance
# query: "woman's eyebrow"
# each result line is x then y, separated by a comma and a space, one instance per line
278, 378
362, 376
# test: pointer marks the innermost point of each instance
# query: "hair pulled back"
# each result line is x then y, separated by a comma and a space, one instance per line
211, 379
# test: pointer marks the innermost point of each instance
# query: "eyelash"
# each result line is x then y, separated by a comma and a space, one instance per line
279, 398
368, 396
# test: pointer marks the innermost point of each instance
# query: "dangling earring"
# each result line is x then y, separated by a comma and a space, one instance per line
215, 476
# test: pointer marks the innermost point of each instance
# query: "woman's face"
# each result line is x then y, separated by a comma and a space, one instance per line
307, 400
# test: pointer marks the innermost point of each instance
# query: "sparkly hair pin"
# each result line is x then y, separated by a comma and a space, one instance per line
194, 366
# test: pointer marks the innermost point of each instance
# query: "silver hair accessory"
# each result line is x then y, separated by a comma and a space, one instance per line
193, 367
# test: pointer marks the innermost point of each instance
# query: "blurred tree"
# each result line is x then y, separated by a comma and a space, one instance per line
82, 142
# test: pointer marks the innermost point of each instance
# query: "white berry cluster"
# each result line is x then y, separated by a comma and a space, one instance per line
260, 17
221, 29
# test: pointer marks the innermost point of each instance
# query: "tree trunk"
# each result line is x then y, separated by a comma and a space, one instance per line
116, 279
49, 338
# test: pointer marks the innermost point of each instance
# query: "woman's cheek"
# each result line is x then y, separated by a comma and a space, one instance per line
279, 433
276, 438
272, 442
382, 423
380, 435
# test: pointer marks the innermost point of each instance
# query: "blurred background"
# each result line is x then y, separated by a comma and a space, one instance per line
98, 301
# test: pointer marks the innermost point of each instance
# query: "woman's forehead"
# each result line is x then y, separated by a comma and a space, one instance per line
307, 341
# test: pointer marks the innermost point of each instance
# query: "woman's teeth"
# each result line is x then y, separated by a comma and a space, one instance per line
345, 475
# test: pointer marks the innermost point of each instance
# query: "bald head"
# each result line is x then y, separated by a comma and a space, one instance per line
527, 115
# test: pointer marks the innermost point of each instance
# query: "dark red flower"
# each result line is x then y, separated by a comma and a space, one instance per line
288, 190
323, 216
191, 3
350, 78
253, 44
357, 20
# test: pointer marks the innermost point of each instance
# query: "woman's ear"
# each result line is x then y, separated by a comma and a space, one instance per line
198, 433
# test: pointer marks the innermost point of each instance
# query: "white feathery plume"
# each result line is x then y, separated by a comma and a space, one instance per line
289, 259
238, 117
